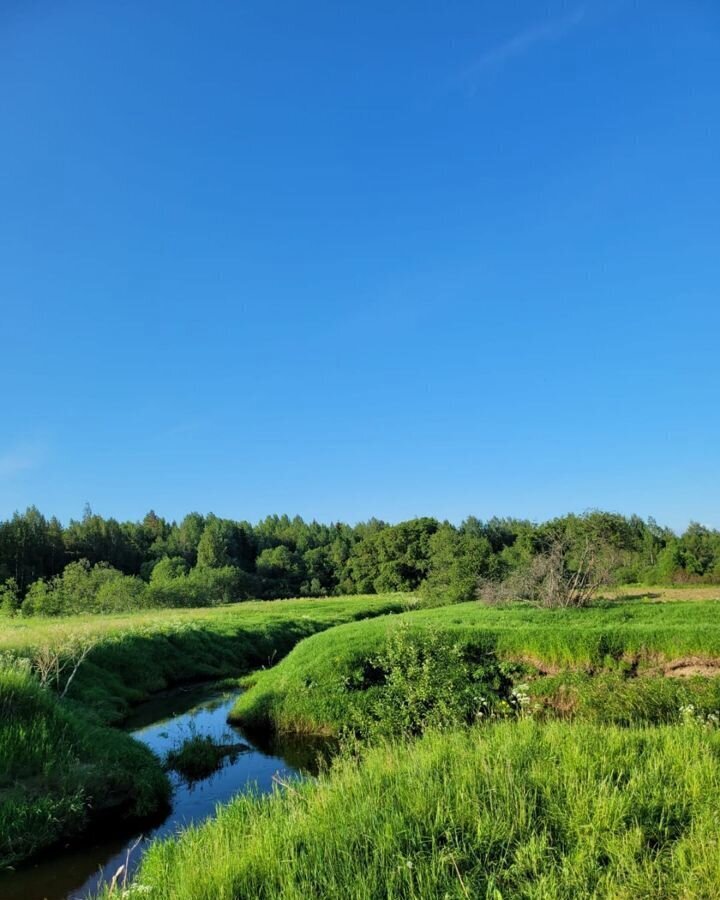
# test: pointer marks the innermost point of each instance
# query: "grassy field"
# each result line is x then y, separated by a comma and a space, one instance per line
58, 760
517, 810
330, 680
664, 593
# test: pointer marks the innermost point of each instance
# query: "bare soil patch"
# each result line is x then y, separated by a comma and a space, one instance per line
692, 665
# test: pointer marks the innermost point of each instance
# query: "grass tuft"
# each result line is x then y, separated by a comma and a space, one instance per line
200, 755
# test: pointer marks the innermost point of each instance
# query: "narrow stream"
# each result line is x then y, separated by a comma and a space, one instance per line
162, 723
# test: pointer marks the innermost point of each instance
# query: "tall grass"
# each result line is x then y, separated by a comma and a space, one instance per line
517, 810
57, 764
613, 698
322, 683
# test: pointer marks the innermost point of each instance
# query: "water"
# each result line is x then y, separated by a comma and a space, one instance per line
162, 723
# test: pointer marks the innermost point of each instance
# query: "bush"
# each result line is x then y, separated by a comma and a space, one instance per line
428, 679
201, 586
559, 574
10, 599
83, 588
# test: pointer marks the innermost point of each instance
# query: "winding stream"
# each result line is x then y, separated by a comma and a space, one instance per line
162, 723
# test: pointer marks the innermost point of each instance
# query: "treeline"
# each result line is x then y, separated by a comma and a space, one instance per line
98, 564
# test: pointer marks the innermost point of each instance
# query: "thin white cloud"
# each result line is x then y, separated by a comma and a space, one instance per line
20, 459
522, 42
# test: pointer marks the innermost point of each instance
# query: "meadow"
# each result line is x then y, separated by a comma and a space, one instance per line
137, 654
495, 752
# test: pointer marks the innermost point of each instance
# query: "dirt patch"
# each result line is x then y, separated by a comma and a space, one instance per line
664, 594
692, 665
542, 668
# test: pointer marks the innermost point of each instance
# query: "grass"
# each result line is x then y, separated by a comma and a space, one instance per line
687, 591
600, 805
519, 810
138, 654
200, 755
60, 765
614, 698
326, 682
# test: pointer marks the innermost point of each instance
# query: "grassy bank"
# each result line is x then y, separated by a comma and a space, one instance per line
59, 763
614, 698
136, 655
508, 810
331, 680
59, 767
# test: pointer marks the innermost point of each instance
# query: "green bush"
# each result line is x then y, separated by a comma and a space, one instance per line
84, 588
427, 679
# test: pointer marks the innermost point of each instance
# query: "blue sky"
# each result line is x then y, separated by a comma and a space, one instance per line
360, 259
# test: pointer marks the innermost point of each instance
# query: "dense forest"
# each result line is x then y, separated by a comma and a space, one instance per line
96, 564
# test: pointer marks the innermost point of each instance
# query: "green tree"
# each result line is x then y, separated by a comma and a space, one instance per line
458, 559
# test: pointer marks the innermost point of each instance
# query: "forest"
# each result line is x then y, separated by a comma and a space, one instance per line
97, 564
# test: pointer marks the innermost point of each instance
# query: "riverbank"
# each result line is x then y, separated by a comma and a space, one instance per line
333, 681
162, 724
60, 762
62, 769
514, 809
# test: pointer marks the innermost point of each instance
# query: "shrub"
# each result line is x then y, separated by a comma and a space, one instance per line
559, 574
428, 680
84, 588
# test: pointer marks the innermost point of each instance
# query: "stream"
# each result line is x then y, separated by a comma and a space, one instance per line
162, 723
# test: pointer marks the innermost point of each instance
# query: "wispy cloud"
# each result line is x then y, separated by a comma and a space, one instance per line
19, 459
522, 42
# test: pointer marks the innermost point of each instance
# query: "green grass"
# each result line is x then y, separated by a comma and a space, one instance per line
524, 808
60, 765
200, 755
614, 698
139, 654
323, 684
517, 810
57, 764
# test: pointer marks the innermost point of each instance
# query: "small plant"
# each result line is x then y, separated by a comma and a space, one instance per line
57, 665
690, 715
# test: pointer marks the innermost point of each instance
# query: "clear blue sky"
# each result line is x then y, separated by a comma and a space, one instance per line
354, 259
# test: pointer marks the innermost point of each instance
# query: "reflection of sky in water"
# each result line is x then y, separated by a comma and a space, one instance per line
164, 723
195, 801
